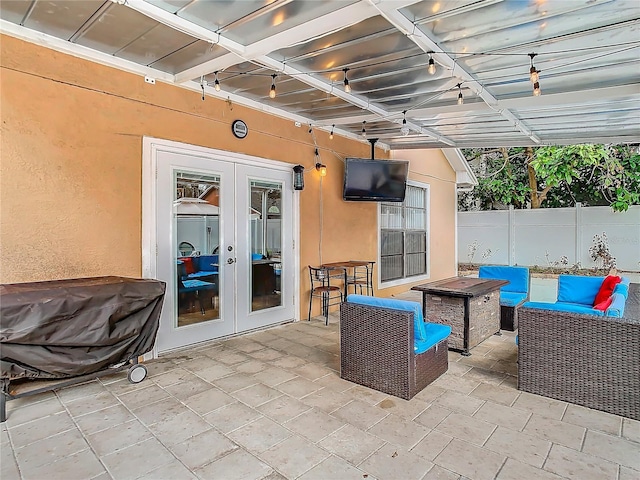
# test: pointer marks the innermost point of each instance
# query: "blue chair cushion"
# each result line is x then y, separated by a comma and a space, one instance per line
435, 333
512, 299
578, 289
193, 285
207, 263
201, 274
566, 307
419, 332
518, 277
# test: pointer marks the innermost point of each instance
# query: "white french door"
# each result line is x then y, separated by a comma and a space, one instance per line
224, 246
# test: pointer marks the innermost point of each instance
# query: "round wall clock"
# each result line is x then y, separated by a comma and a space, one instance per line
239, 128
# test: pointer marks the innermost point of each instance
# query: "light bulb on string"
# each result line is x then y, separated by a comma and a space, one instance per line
536, 89
432, 65
331, 134
460, 98
216, 83
347, 87
364, 131
272, 92
405, 128
533, 73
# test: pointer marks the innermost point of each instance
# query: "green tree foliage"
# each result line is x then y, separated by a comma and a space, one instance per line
554, 176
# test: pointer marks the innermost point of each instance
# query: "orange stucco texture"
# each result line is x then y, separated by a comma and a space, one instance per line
71, 169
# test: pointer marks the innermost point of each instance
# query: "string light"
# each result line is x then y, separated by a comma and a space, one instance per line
364, 131
405, 128
216, 83
331, 134
347, 87
533, 73
536, 89
460, 99
272, 92
203, 82
432, 65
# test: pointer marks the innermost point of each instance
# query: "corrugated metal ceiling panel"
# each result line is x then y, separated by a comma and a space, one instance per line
584, 49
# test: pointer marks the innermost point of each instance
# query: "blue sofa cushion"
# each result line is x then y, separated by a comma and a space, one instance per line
518, 277
566, 307
578, 289
435, 333
616, 309
512, 299
419, 332
623, 287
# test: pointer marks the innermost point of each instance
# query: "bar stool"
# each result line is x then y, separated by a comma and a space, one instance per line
322, 288
362, 278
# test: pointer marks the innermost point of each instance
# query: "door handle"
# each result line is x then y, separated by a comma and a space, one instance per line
230, 260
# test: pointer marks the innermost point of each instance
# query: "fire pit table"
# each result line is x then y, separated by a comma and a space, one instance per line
470, 306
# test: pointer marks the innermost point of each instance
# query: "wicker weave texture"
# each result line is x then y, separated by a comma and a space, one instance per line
583, 359
376, 350
484, 319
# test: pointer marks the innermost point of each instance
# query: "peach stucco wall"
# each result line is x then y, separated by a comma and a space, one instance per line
71, 169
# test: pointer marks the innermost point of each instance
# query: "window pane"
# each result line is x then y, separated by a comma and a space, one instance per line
403, 236
416, 242
391, 216
414, 197
416, 219
391, 242
416, 264
391, 267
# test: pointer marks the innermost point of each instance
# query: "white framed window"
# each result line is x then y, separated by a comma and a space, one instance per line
404, 237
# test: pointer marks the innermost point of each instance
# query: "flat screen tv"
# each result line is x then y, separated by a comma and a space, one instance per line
375, 180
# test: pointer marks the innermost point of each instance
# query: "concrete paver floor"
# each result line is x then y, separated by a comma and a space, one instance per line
271, 405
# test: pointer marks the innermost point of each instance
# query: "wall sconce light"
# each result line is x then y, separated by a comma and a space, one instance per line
322, 169
298, 177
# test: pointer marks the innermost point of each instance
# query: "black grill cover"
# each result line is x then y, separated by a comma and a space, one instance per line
66, 328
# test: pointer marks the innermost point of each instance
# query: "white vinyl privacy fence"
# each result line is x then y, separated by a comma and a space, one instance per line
543, 236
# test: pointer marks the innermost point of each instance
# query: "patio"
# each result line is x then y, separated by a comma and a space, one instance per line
271, 404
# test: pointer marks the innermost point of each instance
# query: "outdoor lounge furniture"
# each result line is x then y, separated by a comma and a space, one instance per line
574, 353
512, 295
386, 345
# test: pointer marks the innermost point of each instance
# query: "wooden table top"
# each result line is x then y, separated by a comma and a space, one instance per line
346, 264
461, 286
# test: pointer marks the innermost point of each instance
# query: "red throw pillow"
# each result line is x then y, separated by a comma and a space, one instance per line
603, 305
606, 289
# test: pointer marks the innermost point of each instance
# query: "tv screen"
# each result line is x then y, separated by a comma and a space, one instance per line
375, 180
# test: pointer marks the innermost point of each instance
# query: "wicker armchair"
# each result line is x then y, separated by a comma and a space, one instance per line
377, 351
585, 359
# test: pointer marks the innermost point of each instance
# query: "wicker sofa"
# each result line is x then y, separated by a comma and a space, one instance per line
588, 358
386, 345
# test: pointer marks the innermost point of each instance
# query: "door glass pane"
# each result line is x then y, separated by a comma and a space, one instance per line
196, 216
266, 244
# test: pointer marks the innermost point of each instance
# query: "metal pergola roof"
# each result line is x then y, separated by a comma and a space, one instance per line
587, 53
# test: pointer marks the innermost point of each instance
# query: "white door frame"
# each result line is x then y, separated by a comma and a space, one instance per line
150, 148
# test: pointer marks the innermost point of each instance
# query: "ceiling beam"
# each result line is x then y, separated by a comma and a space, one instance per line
316, 28
429, 44
189, 28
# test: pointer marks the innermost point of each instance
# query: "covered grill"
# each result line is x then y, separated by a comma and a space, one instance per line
71, 329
